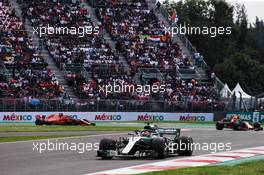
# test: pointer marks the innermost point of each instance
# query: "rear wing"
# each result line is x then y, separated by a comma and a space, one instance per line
169, 131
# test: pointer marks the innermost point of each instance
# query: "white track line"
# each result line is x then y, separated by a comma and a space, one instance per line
63, 138
186, 162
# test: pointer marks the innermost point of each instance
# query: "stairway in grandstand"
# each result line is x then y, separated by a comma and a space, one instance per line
106, 35
60, 75
4, 75
89, 6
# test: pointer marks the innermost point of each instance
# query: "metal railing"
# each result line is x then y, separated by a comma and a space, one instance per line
87, 105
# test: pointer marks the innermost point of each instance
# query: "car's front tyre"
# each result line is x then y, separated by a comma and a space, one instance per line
105, 146
159, 147
219, 126
39, 122
185, 146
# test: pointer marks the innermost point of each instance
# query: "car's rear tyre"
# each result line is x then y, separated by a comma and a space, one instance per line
74, 123
219, 126
107, 144
236, 126
39, 122
159, 148
257, 126
185, 146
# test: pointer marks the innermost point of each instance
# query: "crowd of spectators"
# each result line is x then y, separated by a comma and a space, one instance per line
187, 90
92, 51
30, 76
88, 51
102, 76
140, 36
70, 48
260, 106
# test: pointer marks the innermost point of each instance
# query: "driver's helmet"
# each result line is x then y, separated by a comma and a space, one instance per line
235, 118
147, 127
145, 134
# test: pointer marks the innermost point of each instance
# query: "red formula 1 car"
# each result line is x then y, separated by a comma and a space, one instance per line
60, 119
237, 124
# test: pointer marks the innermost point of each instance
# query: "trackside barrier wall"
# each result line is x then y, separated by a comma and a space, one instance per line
29, 117
251, 116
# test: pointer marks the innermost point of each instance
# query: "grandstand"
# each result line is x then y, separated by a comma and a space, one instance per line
27, 75
64, 71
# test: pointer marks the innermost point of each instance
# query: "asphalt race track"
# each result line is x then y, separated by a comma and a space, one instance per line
10, 134
18, 158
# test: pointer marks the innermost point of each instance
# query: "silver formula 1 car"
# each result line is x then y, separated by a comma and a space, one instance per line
152, 142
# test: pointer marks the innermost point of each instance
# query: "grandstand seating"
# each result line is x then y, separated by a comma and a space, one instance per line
135, 28
139, 36
30, 76
71, 50
91, 51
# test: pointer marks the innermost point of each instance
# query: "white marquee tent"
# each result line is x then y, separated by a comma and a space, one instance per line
237, 90
225, 92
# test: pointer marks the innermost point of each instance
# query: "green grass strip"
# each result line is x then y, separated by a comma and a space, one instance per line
26, 138
251, 168
32, 128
